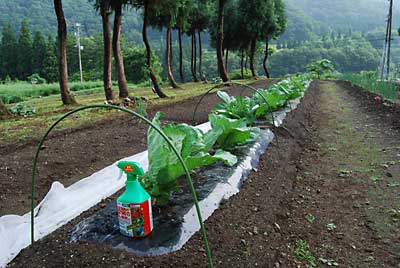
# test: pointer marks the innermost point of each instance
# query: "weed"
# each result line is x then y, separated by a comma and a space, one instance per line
302, 253
310, 218
23, 110
394, 184
331, 226
344, 173
328, 262
395, 215
332, 149
369, 81
376, 178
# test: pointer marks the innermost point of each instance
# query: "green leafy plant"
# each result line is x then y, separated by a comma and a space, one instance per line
331, 226
230, 133
236, 107
22, 110
320, 67
164, 165
329, 262
302, 252
310, 218
36, 79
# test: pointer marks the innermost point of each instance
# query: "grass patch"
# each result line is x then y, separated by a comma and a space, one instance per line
49, 108
368, 81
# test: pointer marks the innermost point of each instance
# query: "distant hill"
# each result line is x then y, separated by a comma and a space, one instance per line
306, 17
40, 15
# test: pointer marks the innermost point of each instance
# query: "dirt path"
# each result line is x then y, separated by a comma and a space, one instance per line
326, 193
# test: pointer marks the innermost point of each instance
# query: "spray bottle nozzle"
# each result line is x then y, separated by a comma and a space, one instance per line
132, 169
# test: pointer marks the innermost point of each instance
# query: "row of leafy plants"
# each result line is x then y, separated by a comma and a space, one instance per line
233, 124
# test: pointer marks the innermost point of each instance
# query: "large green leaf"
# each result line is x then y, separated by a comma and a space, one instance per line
164, 165
230, 132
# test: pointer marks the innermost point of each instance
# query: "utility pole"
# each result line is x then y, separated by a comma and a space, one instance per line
390, 19
385, 66
78, 45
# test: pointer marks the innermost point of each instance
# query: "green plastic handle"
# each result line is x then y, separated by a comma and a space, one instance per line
132, 169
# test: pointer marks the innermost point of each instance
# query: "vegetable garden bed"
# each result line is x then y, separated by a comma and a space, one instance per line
177, 222
227, 133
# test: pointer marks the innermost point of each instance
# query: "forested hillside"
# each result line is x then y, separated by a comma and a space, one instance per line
316, 28
306, 17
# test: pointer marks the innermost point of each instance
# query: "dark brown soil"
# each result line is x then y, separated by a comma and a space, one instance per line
327, 183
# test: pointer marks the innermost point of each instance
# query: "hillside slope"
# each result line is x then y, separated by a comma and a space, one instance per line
306, 17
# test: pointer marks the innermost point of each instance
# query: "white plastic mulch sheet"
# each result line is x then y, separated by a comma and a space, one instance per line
61, 204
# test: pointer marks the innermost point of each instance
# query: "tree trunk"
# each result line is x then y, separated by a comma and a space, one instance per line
168, 58
265, 59
220, 41
66, 96
3, 110
107, 60
193, 61
241, 64
252, 52
153, 77
119, 60
245, 63
180, 55
202, 76
226, 60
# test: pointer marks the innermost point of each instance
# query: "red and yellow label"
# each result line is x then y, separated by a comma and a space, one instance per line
129, 168
135, 220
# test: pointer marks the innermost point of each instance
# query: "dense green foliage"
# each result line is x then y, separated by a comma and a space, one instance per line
315, 30
229, 130
347, 53
22, 56
14, 92
194, 147
368, 81
312, 18
306, 17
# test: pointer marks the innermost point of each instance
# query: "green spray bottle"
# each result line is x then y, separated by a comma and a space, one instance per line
134, 205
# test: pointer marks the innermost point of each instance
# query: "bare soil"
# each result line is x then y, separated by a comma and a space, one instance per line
326, 192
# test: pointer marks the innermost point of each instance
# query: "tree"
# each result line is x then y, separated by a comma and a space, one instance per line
49, 70
193, 60
66, 96
182, 24
199, 20
220, 41
259, 21
104, 6
163, 14
135, 61
145, 5
39, 48
274, 28
24, 55
116, 46
8, 53
320, 67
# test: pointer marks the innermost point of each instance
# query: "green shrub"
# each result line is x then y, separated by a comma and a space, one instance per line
22, 110
237, 74
35, 79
